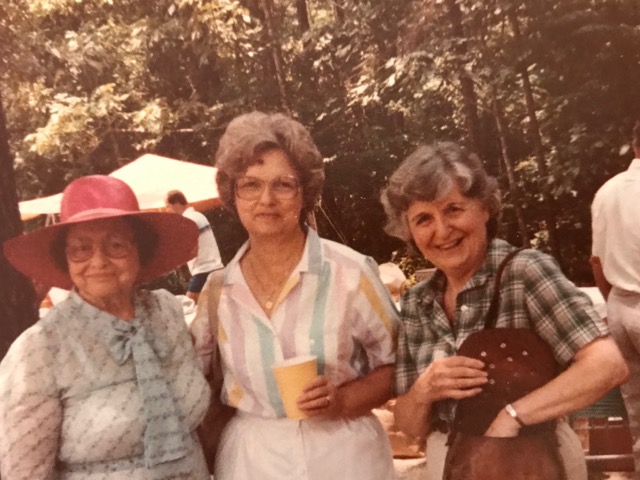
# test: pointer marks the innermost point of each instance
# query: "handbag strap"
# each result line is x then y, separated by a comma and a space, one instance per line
214, 293
491, 317
218, 414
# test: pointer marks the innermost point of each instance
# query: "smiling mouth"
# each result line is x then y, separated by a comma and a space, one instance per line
450, 245
100, 276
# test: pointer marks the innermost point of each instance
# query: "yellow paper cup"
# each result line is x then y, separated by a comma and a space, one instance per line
291, 376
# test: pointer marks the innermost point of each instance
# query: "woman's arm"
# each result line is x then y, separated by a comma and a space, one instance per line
372, 320
204, 327
29, 439
351, 399
454, 377
30, 409
565, 318
597, 368
411, 414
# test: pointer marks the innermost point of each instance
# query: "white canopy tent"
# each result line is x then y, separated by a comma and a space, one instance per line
150, 177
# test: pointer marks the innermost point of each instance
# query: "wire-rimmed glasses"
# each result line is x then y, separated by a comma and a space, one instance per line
252, 188
113, 246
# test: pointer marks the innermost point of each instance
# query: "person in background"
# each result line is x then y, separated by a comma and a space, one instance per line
615, 262
443, 204
289, 293
394, 279
107, 384
207, 255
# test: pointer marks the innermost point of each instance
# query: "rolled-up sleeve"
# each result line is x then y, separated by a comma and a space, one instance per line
376, 321
562, 314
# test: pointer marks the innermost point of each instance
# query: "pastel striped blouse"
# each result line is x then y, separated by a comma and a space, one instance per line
333, 306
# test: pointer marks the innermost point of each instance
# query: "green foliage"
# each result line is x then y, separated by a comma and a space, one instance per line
91, 84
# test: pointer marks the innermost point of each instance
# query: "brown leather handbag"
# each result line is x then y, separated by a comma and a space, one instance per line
518, 361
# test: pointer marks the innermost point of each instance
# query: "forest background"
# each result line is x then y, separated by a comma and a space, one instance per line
545, 91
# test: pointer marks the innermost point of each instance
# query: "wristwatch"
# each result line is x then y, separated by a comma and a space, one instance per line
512, 411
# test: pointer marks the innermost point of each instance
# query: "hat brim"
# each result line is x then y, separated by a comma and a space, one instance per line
177, 236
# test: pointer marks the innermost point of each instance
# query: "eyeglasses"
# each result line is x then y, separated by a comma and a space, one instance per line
251, 188
113, 246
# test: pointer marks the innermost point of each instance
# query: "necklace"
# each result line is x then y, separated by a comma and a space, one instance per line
271, 294
263, 288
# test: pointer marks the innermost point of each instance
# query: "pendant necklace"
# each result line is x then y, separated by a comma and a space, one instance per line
272, 294
268, 304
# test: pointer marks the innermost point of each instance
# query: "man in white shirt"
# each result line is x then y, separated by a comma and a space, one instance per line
615, 262
207, 256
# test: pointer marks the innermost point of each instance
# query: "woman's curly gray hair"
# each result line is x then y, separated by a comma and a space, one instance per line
248, 136
427, 175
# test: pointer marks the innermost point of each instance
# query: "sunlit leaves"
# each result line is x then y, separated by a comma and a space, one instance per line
68, 127
90, 84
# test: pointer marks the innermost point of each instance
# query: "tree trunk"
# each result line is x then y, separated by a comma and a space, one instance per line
508, 166
538, 148
17, 300
276, 52
469, 98
303, 15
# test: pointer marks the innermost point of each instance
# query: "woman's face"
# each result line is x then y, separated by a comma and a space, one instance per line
451, 232
268, 196
103, 259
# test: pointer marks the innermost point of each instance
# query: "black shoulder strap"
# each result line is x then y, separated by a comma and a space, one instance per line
491, 317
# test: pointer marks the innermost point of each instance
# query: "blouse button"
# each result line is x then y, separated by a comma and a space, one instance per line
464, 308
312, 342
503, 345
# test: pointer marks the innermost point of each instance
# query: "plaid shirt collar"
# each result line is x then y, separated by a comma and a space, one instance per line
433, 289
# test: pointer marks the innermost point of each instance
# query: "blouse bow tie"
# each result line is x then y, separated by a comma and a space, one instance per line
164, 432
120, 342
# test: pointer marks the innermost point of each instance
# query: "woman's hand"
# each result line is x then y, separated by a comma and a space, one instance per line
504, 425
320, 397
597, 368
454, 377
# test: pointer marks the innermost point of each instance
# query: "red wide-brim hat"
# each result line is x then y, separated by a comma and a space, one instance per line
98, 197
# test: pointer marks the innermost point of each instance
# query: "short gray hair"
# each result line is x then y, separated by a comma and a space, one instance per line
427, 175
249, 136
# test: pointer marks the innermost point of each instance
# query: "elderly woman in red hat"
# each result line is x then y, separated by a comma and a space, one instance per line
106, 385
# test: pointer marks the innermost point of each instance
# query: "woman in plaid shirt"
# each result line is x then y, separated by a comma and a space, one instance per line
441, 201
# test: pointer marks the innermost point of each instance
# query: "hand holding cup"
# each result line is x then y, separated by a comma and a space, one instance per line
320, 397
292, 376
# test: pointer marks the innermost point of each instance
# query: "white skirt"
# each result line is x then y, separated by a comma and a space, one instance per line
570, 451
281, 449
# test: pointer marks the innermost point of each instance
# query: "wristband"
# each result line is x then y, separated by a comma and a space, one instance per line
512, 411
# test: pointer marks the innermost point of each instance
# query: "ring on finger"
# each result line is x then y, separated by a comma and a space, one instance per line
328, 399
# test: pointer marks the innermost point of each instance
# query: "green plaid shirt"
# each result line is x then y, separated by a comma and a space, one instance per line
534, 294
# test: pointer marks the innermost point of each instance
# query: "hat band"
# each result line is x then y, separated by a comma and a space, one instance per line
98, 213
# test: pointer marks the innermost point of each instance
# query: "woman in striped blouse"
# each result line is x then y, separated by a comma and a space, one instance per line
288, 293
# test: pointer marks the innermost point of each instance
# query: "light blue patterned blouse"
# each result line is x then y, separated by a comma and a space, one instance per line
84, 395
